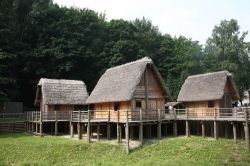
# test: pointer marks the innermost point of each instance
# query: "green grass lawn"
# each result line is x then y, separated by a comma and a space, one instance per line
22, 149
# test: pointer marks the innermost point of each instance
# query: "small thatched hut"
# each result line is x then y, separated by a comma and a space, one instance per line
132, 86
60, 95
210, 90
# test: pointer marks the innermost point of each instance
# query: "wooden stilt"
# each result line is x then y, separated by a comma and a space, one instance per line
79, 131
215, 130
175, 128
71, 130
187, 129
159, 130
234, 132
98, 132
88, 128
36, 127
247, 130
41, 128
141, 129
118, 128
203, 129
56, 128
127, 133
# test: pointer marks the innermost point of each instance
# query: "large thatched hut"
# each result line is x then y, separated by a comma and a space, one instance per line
210, 90
133, 86
60, 95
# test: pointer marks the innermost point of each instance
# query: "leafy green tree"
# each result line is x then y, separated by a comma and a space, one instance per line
227, 50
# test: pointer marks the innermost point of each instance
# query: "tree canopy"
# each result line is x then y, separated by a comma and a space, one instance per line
40, 39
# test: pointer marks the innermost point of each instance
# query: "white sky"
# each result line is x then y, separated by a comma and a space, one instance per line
191, 18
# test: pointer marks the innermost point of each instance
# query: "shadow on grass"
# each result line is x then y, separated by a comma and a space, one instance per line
14, 135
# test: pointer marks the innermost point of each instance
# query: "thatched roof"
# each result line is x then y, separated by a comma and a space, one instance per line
119, 83
60, 91
209, 86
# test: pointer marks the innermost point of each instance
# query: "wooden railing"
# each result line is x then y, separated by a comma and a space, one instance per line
234, 114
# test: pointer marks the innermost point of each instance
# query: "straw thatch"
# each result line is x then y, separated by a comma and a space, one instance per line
60, 91
119, 83
209, 86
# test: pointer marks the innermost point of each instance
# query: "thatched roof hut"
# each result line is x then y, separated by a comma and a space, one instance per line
61, 92
209, 86
119, 83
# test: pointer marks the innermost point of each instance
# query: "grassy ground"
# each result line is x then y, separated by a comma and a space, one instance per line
21, 149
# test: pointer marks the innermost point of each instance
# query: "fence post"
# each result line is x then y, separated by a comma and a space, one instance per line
141, 129
247, 129
175, 123
127, 133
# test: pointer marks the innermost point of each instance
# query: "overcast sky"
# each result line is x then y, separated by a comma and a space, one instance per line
191, 18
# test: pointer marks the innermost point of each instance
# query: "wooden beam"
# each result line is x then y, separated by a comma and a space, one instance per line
203, 129
234, 132
118, 132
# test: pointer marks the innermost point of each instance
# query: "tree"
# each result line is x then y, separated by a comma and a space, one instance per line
227, 50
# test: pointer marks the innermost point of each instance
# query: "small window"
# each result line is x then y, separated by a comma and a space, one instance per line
138, 104
56, 107
210, 104
116, 107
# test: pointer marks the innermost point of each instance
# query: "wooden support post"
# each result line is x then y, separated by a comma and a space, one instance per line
118, 128
187, 129
159, 124
203, 129
127, 133
36, 127
71, 129
175, 128
56, 123
141, 129
41, 123
247, 130
32, 127
187, 124
98, 132
88, 127
215, 130
108, 131
234, 132
79, 127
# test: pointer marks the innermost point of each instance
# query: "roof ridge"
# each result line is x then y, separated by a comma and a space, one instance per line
59, 81
210, 73
144, 59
